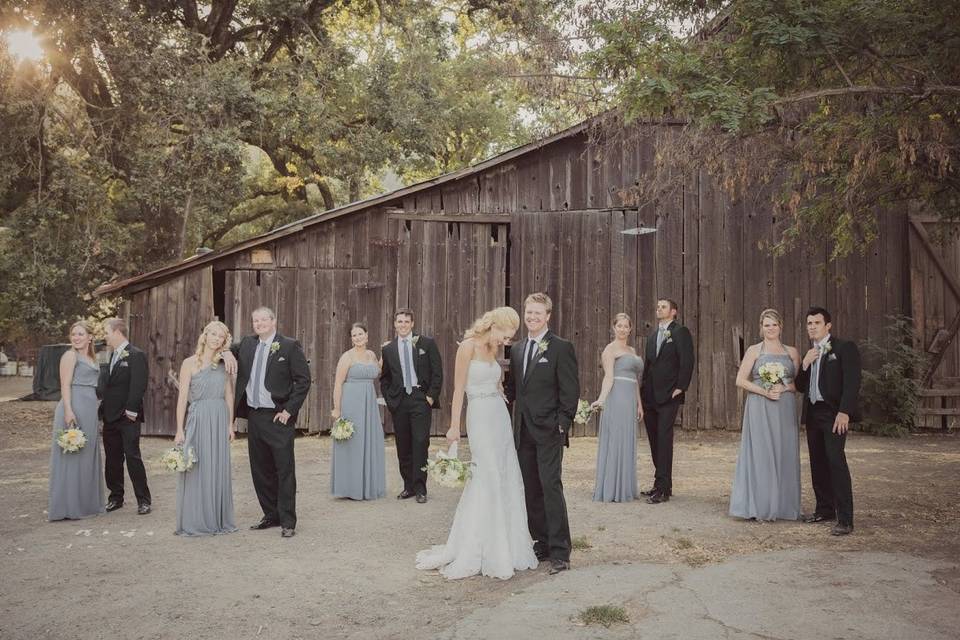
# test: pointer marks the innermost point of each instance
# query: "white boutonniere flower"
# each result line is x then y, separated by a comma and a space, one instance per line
666, 334
415, 340
123, 353
274, 347
543, 345
825, 349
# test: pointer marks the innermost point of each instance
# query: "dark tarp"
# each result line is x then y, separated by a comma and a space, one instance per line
46, 374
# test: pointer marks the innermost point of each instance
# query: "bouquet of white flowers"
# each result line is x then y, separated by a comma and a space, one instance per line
447, 470
584, 412
71, 440
342, 429
176, 459
772, 373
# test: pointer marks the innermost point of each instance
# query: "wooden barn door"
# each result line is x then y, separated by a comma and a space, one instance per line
449, 272
935, 301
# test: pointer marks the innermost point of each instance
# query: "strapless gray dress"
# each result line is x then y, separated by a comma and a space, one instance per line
617, 450
358, 465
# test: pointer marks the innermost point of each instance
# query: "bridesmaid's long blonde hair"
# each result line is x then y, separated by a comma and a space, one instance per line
227, 341
86, 327
503, 317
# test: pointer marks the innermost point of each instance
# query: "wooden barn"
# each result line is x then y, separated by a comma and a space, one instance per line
547, 216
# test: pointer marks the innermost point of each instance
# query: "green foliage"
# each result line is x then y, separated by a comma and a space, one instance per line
581, 543
156, 127
891, 387
851, 107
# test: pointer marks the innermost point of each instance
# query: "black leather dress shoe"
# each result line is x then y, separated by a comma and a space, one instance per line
265, 524
648, 492
114, 505
841, 529
556, 566
810, 518
403, 495
421, 498
288, 533
659, 497
541, 555
143, 509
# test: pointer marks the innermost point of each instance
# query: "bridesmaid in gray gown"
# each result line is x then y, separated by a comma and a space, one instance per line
357, 466
205, 424
766, 483
76, 479
620, 401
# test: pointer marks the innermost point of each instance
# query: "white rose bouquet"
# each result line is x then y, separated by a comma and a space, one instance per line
584, 412
447, 470
342, 429
176, 459
71, 440
772, 373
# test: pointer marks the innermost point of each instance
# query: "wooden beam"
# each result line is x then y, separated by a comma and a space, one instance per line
479, 218
952, 411
933, 219
940, 393
948, 276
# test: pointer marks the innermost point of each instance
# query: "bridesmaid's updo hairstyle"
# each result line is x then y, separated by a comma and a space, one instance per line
774, 315
621, 316
359, 325
227, 341
86, 327
503, 317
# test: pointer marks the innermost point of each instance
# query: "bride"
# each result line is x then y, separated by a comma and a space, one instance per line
489, 535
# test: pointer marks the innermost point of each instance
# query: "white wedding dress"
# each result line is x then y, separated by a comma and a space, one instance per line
489, 535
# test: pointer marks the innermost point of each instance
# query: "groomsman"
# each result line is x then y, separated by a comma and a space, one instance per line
273, 378
666, 377
830, 379
121, 387
410, 381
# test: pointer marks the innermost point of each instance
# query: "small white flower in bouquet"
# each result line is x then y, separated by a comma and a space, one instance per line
176, 459
584, 412
71, 440
342, 429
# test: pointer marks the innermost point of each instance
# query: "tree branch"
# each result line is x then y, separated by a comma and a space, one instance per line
925, 90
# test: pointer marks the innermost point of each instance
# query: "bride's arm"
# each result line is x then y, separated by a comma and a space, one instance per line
464, 356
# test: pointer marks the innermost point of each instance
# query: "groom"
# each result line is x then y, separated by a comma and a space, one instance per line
273, 378
830, 379
544, 387
410, 381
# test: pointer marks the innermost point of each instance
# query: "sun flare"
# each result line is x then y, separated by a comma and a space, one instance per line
24, 45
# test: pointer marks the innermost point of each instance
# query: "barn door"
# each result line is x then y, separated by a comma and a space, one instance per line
935, 302
449, 273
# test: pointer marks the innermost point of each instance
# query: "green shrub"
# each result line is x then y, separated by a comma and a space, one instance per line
891, 389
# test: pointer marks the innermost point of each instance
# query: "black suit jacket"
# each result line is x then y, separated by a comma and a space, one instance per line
427, 364
840, 375
123, 389
671, 369
547, 396
287, 377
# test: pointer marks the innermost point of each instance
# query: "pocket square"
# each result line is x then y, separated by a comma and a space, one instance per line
281, 359
541, 360
832, 356
669, 340
422, 352
123, 364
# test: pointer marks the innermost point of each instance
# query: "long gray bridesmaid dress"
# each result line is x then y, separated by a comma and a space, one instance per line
766, 483
617, 450
357, 466
205, 494
77, 487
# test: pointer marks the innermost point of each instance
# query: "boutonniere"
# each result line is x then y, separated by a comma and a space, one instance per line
666, 334
274, 347
415, 340
123, 353
543, 345
827, 348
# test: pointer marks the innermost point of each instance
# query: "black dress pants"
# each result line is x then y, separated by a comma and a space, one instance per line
828, 465
540, 466
658, 421
411, 427
270, 445
121, 441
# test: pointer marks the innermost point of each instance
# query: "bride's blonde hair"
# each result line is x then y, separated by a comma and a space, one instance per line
503, 317
227, 341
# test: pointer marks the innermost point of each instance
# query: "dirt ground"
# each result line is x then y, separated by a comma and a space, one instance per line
349, 571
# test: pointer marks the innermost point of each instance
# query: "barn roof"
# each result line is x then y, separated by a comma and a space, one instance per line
164, 273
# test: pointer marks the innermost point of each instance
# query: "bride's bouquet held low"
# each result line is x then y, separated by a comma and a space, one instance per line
176, 459
771, 374
447, 469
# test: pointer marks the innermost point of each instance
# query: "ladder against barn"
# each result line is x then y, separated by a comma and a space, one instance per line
935, 301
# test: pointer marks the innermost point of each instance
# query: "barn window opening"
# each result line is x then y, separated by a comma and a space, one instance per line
450, 229
495, 233
406, 224
258, 278
219, 294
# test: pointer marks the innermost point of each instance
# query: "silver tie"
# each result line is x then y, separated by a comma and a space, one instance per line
408, 366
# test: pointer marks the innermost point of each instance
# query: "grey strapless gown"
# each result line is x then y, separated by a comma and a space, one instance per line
766, 483
77, 487
617, 450
358, 465
205, 494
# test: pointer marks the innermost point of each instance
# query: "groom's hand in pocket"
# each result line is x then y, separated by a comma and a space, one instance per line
282, 417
